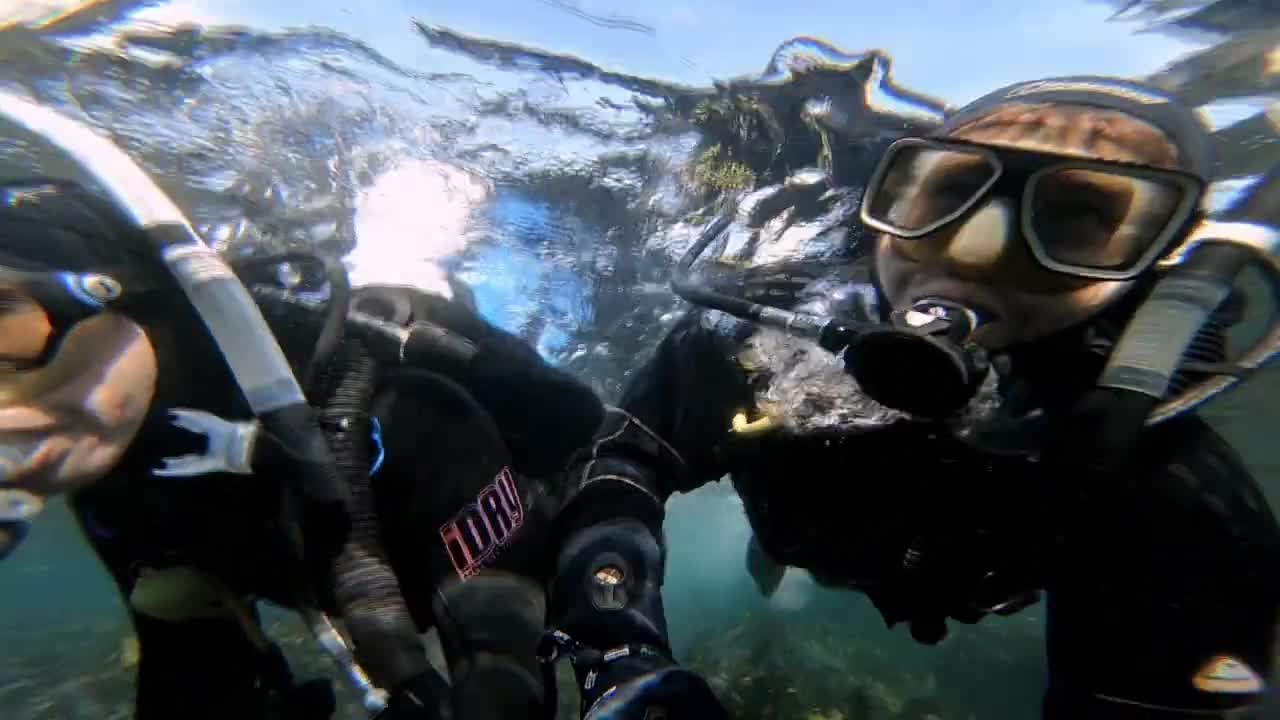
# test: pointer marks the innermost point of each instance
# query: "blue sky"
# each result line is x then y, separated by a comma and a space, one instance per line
953, 49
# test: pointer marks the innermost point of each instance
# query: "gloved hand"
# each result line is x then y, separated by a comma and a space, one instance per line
672, 693
422, 697
639, 682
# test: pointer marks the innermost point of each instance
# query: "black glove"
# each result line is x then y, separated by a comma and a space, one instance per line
422, 697
640, 682
672, 693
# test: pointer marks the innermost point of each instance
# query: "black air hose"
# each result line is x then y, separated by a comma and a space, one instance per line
365, 588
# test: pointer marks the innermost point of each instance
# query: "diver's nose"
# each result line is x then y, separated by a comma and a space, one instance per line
981, 239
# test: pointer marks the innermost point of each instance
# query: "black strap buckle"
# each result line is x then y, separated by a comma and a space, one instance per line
557, 644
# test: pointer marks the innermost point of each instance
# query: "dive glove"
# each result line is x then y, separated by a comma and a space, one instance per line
672, 693
421, 697
633, 682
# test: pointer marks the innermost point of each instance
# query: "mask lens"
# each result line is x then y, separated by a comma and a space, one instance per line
923, 187
1101, 220
25, 329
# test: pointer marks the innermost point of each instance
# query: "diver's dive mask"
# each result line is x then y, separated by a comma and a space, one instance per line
38, 309
1084, 218
1090, 219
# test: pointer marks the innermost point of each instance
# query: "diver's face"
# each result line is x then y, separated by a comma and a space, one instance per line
66, 423
981, 260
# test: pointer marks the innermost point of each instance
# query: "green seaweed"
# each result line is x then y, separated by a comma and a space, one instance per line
713, 173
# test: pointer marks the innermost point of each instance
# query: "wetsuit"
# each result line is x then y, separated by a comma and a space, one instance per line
1151, 580
463, 462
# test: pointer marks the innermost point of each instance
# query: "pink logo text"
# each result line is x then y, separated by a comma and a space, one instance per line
481, 528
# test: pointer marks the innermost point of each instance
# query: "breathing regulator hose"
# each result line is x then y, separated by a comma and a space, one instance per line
1150, 351
1245, 234
365, 586
831, 335
343, 375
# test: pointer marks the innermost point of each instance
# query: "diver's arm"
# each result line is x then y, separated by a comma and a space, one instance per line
606, 597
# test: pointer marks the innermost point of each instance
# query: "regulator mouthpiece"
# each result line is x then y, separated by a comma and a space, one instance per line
923, 363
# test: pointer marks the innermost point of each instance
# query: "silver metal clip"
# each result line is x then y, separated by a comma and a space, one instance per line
230, 448
322, 627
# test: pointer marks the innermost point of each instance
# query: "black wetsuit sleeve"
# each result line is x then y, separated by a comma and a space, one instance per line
1167, 588
662, 438
675, 412
689, 393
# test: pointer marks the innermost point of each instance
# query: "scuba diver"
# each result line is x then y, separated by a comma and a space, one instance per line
991, 399
380, 459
